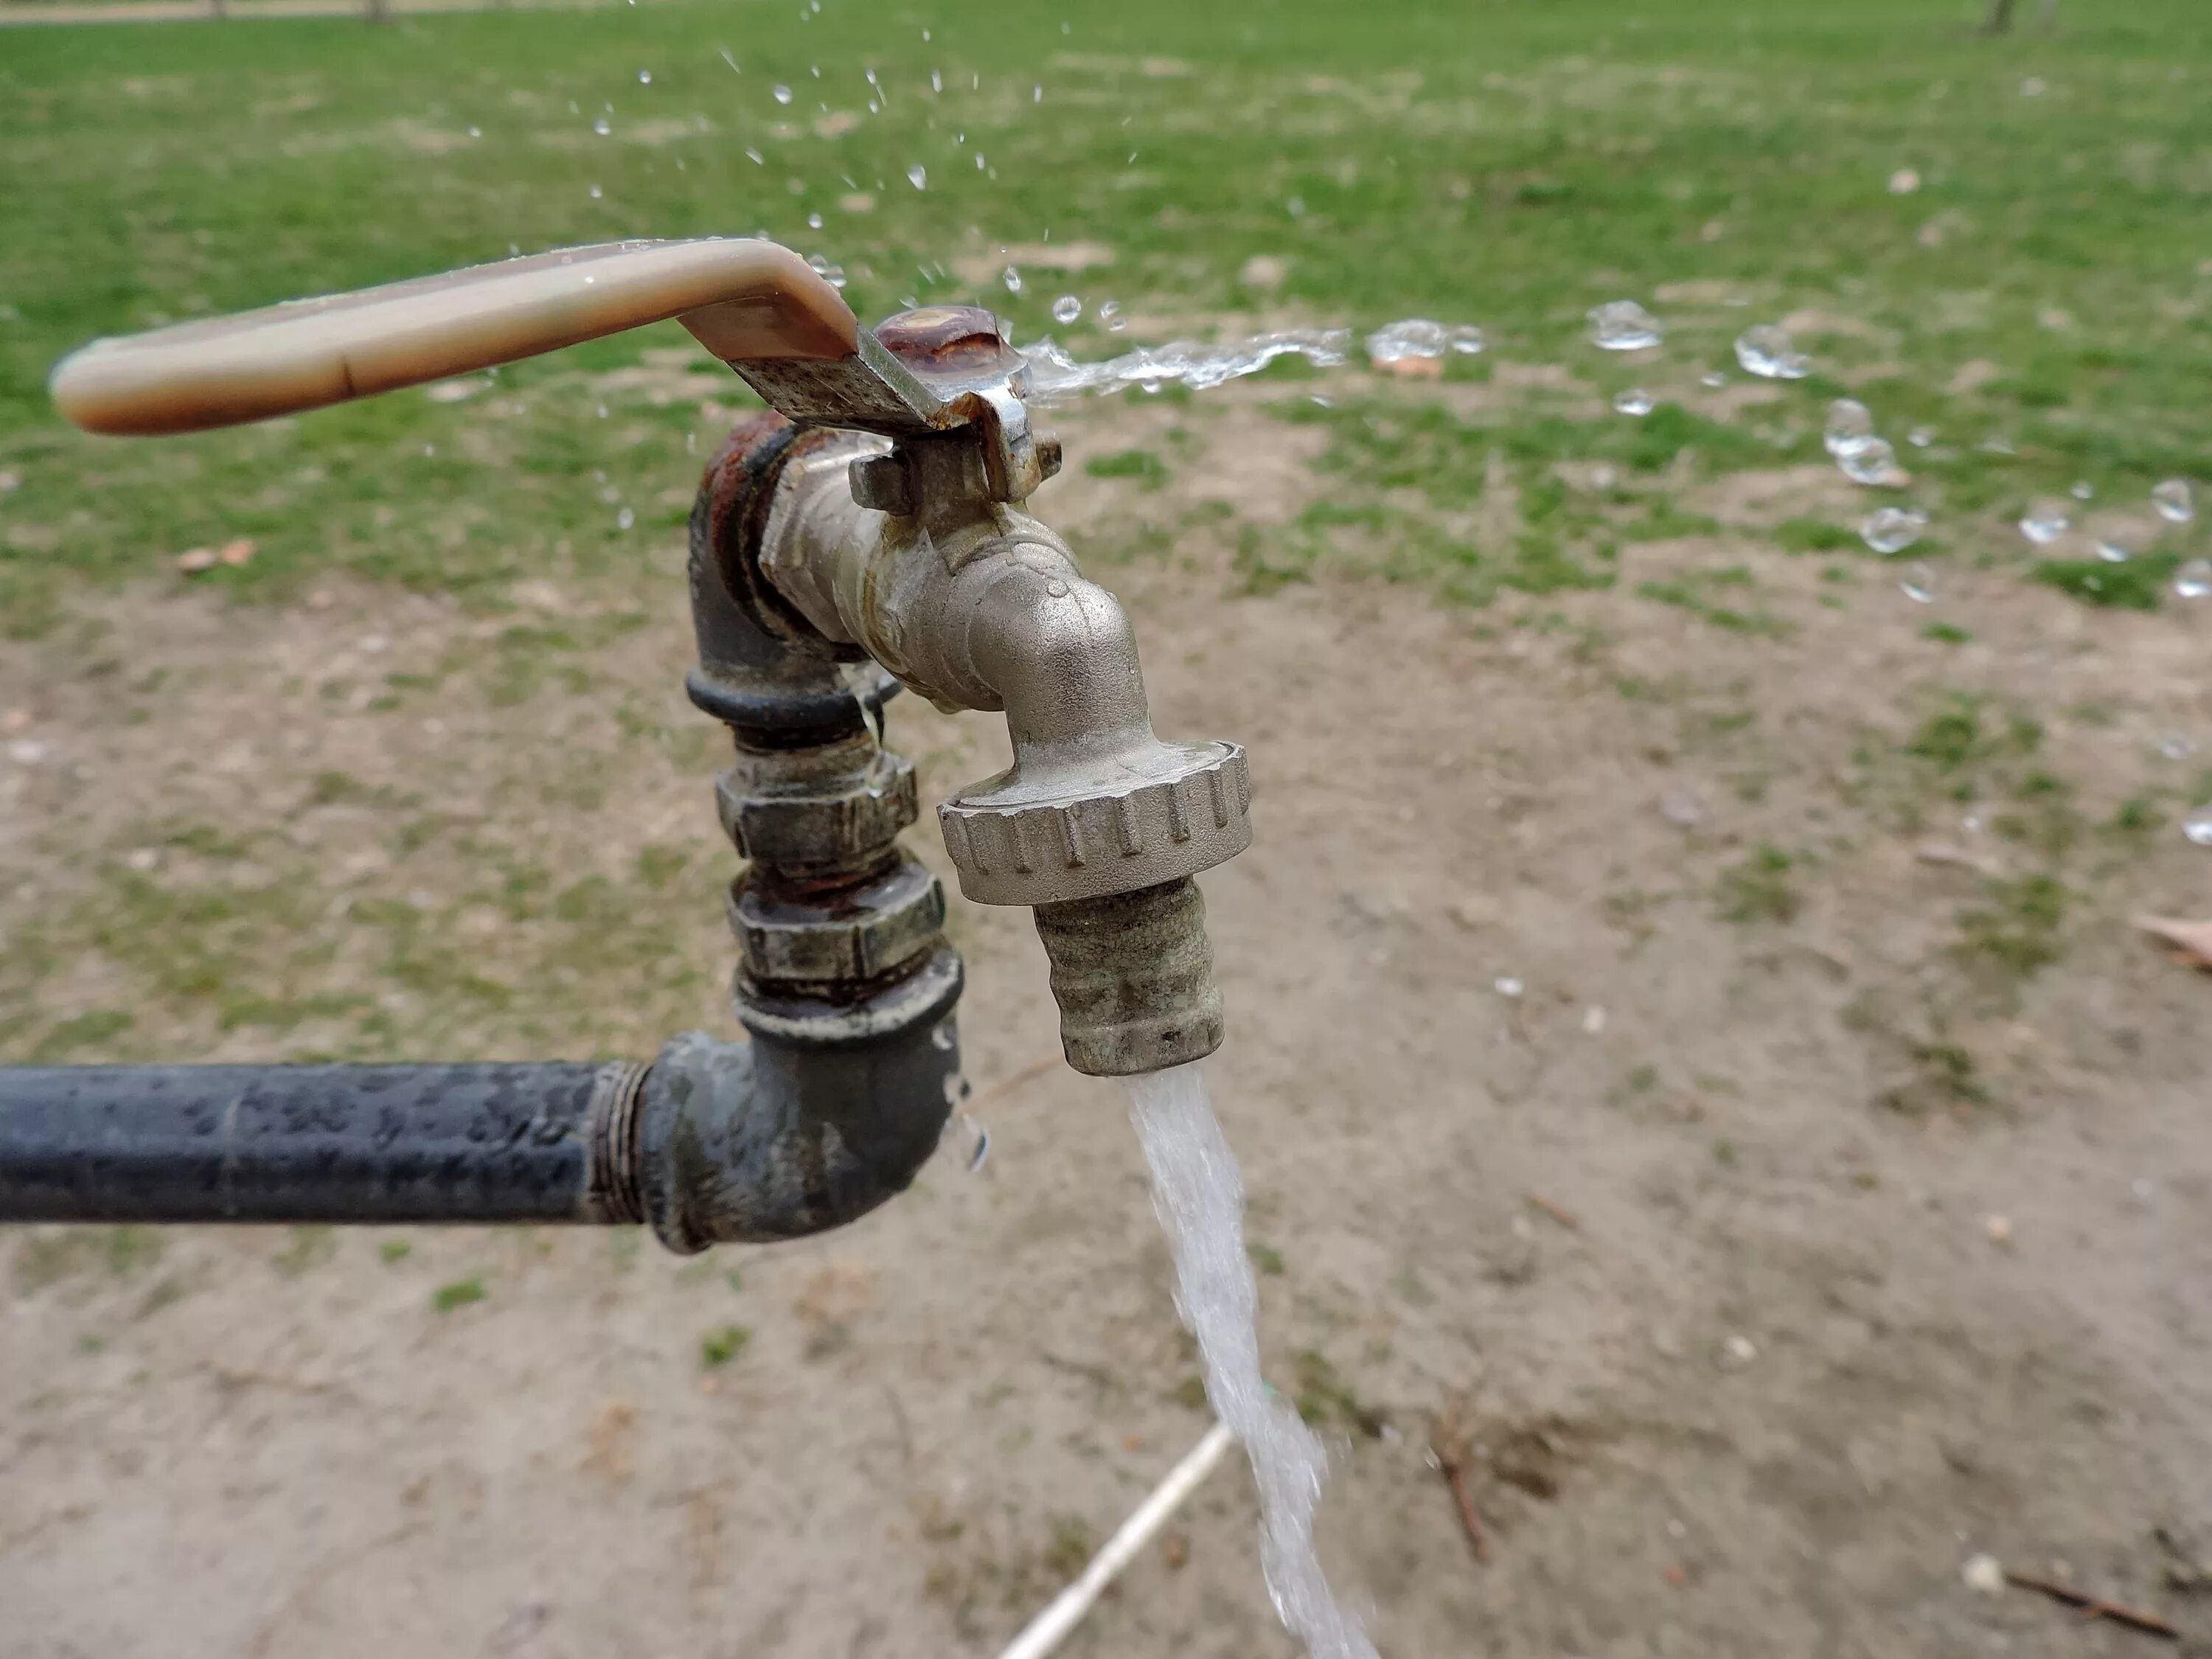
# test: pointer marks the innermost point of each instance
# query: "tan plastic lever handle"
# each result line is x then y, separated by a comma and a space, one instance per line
746, 302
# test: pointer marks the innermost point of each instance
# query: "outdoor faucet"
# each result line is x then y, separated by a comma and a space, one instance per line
865, 533
916, 552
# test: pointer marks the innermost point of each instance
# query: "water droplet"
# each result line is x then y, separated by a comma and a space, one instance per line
476, 132
1066, 308
1920, 585
1623, 326
2194, 580
1295, 207
2175, 501
2197, 826
756, 158
1712, 380
979, 162
1507, 987
782, 92
1635, 401
1851, 424
1418, 337
814, 222
1920, 437
2173, 746
2044, 525
1013, 279
1871, 462
1903, 182
918, 176
936, 82
595, 192
1109, 312
2112, 553
601, 126
1766, 350
1892, 529
645, 78
2083, 490
1037, 95
731, 61
625, 518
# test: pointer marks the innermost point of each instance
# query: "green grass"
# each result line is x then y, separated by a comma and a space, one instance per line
1139, 463
1760, 888
2138, 584
722, 1345
460, 1293
1508, 165
2017, 929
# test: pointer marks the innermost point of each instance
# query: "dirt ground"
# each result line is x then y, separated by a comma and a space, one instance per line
1765, 1263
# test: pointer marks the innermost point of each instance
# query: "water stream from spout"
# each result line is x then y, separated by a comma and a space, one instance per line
1200, 1198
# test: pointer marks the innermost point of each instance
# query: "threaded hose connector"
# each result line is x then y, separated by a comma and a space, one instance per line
1133, 976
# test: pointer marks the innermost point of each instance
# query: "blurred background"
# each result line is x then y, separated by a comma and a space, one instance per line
1693, 1048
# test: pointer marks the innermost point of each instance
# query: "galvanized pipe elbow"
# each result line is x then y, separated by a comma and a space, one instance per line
827, 1113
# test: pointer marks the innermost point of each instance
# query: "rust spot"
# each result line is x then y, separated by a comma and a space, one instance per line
953, 341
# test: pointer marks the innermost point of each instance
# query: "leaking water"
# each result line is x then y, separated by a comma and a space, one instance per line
1200, 1198
1055, 374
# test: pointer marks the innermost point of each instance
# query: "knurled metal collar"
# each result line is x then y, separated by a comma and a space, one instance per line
1189, 816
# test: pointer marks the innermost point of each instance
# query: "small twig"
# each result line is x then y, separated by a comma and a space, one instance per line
2094, 1607
1006, 1085
1045, 1632
1565, 1217
1455, 1474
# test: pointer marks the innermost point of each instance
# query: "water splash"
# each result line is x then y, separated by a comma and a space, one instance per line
1624, 326
1420, 337
1873, 461
1765, 349
1055, 375
1892, 529
1851, 424
1200, 1198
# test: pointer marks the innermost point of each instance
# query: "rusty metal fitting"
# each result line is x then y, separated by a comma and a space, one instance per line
827, 943
819, 810
1133, 976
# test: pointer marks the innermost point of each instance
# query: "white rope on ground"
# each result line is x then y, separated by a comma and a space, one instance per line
1049, 1628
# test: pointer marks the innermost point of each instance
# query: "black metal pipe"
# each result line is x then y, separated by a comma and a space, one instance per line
830, 1110
316, 1143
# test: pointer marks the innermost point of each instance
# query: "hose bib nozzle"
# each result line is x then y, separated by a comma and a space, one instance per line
1133, 976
